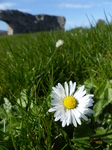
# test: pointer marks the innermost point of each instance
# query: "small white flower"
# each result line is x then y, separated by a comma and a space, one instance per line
80, 31
70, 106
59, 43
7, 105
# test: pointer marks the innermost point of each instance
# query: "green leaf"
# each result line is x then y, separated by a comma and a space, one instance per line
102, 103
23, 101
108, 94
98, 107
3, 113
90, 83
100, 130
108, 137
99, 93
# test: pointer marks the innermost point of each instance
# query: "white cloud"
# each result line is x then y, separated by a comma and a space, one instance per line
84, 6
6, 5
74, 6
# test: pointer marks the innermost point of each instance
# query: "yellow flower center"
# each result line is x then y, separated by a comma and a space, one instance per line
70, 102
60, 43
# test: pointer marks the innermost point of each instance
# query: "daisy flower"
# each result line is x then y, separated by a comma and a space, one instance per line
70, 106
59, 43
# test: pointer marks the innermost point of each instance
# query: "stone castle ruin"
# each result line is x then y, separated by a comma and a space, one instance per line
20, 22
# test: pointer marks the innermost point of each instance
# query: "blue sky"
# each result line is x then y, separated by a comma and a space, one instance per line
76, 12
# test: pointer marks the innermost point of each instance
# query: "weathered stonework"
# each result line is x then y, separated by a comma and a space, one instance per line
20, 22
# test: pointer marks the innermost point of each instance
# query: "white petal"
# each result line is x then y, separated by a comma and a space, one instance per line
61, 90
78, 92
82, 115
54, 102
63, 117
57, 118
90, 111
77, 116
87, 97
63, 123
58, 92
87, 111
81, 94
85, 102
89, 100
58, 112
55, 92
85, 105
51, 110
68, 116
72, 87
66, 88
73, 119
55, 96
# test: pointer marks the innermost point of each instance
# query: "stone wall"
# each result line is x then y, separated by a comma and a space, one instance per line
20, 22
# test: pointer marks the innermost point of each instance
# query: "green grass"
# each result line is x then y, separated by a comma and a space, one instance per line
30, 65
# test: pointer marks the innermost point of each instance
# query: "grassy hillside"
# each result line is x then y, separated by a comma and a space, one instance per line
30, 65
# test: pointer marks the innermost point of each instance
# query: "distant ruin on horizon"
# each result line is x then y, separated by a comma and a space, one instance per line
20, 22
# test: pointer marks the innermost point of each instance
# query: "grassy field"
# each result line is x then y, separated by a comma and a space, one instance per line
30, 65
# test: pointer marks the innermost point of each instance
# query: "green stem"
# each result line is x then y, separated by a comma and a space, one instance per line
51, 57
93, 136
101, 135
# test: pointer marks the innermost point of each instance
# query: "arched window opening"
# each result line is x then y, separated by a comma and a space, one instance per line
3, 28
